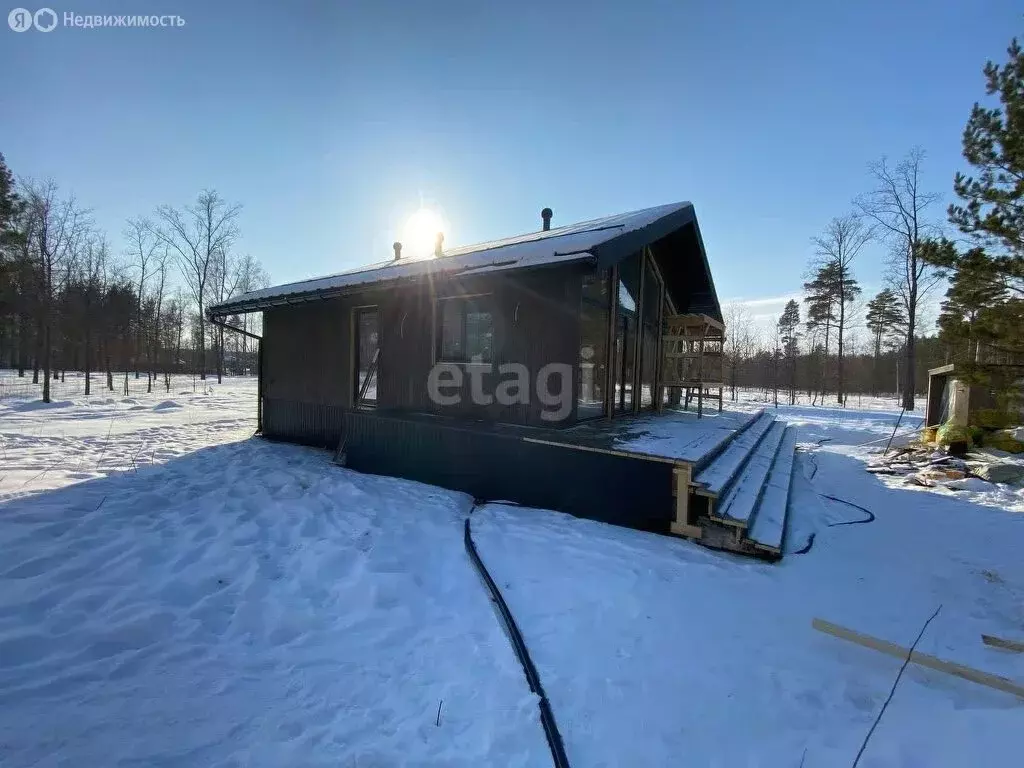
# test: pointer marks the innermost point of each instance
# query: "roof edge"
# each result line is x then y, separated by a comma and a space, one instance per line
243, 306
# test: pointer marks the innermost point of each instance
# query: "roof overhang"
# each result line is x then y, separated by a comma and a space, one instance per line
603, 242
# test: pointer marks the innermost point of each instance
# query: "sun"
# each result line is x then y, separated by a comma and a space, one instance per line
421, 231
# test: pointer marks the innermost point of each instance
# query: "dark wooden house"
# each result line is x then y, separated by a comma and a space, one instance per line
516, 370
582, 305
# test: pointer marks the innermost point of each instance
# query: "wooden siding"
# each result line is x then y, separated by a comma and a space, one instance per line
308, 350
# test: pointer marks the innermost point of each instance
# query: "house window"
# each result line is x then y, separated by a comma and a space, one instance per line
366, 355
466, 330
650, 315
592, 371
626, 326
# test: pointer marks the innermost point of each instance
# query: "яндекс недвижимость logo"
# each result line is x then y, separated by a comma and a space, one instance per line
46, 20
22, 19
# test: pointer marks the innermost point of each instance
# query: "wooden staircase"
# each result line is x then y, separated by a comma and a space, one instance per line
738, 497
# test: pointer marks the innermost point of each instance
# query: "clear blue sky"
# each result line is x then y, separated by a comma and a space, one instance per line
329, 121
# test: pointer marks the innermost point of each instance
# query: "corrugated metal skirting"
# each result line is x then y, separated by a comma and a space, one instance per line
305, 423
493, 465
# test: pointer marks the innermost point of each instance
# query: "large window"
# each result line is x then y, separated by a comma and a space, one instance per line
367, 349
465, 330
651, 334
626, 326
593, 362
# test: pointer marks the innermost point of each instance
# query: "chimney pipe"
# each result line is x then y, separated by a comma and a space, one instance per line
398, 249
546, 215
438, 244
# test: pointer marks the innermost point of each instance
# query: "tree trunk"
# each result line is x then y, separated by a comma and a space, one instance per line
839, 352
908, 375
46, 361
22, 344
874, 367
88, 359
39, 353
824, 364
202, 344
220, 354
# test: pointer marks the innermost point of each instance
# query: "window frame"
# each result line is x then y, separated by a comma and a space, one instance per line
357, 313
476, 302
610, 279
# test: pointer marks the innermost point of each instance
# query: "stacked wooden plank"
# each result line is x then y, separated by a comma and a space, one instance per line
739, 499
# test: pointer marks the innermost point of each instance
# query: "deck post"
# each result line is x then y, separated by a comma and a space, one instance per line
259, 386
700, 371
681, 525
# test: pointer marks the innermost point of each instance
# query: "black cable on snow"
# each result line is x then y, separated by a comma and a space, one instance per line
547, 717
869, 519
807, 546
870, 515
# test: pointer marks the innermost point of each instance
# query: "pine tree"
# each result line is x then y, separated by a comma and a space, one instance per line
993, 142
973, 306
836, 249
886, 321
985, 302
10, 205
830, 293
789, 323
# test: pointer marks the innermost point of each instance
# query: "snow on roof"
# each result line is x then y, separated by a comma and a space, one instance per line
574, 242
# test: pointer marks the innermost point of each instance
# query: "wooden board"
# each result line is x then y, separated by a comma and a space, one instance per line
689, 531
769, 526
681, 490
998, 642
607, 451
921, 659
715, 479
738, 504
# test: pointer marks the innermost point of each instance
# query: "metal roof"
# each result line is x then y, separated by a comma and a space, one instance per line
604, 241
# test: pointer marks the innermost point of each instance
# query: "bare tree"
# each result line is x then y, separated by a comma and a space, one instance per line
836, 249
250, 276
92, 276
142, 242
196, 235
899, 207
153, 343
738, 342
56, 230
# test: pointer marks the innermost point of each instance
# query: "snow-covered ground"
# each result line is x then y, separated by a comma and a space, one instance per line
657, 652
45, 446
172, 593
854, 400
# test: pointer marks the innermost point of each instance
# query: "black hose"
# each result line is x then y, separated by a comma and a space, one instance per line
807, 546
870, 515
547, 717
869, 519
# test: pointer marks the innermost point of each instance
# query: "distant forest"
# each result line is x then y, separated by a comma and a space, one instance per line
977, 254
70, 301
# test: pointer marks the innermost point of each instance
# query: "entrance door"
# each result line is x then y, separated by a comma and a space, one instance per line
367, 353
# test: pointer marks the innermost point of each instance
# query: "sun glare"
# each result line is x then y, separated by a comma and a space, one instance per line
420, 232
